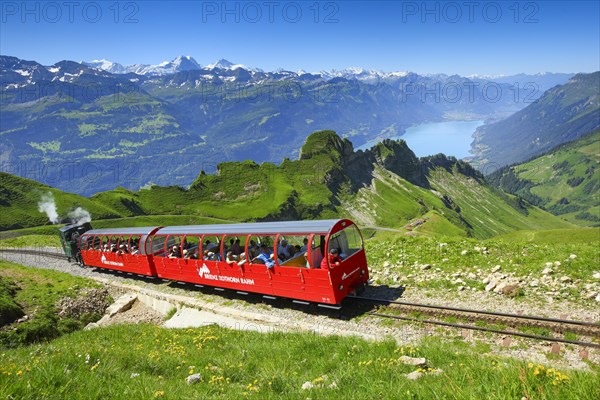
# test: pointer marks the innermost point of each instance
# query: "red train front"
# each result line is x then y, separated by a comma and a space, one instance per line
313, 261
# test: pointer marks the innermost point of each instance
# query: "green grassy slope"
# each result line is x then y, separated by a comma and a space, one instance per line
565, 181
153, 363
19, 199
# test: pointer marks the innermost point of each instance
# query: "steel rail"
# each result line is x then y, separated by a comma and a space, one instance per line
491, 330
480, 312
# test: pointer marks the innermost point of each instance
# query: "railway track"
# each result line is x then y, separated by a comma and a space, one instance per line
586, 328
40, 253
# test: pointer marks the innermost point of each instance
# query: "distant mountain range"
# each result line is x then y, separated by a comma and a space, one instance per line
563, 114
162, 124
540, 81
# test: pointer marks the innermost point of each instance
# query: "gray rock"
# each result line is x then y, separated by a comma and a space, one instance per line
413, 376
472, 276
420, 361
194, 378
534, 283
90, 326
547, 271
490, 286
307, 385
496, 269
565, 279
425, 267
122, 304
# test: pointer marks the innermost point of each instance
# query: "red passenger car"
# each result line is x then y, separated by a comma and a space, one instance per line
314, 261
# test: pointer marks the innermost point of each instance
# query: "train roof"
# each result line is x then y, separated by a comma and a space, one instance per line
253, 228
142, 230
257, 228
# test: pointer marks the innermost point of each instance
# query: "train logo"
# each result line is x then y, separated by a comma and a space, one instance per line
105, 261
203, 270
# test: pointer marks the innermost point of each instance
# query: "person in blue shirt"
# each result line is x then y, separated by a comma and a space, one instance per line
265, 256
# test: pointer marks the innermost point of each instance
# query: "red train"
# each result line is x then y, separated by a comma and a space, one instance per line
309, 261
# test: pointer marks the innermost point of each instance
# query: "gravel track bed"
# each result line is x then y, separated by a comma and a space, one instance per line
293, 317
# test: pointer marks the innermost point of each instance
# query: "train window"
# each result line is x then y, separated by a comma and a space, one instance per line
173, 247
233, 244
317, 249
105, 243
97, 243
122, 244
134, 245
86, 242
191, 246
157, 246
348, 241
291, 250
255, 244
211, 247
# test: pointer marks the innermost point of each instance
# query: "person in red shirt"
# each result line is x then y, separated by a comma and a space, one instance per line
333, 259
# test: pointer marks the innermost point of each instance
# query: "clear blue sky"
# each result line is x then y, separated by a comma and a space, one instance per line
485, 37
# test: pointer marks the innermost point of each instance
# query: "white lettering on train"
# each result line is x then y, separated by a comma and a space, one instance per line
114, 263
204, 273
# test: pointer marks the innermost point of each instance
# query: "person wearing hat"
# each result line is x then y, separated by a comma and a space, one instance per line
174, 253
332, 260
266, 257
122, 249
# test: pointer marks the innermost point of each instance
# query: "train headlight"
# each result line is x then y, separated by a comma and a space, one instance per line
341, 287
362, 272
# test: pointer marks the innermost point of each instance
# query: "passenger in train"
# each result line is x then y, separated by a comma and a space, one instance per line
174, 252
304, 248
253, 250
297, 251
134, 250
266, 256
242, 259
113, 248
333, 258
189, 255
122, 249
283, 251
231, 258
236, 247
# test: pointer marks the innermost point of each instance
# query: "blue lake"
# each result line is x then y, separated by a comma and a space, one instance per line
453, 138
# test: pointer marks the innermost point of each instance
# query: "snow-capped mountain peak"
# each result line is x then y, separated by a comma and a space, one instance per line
178, 64
105, 65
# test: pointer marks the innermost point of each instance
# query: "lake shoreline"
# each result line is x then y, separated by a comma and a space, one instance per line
450, 137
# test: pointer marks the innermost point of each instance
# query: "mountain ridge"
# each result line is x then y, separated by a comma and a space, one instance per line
386, 185
564, 113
